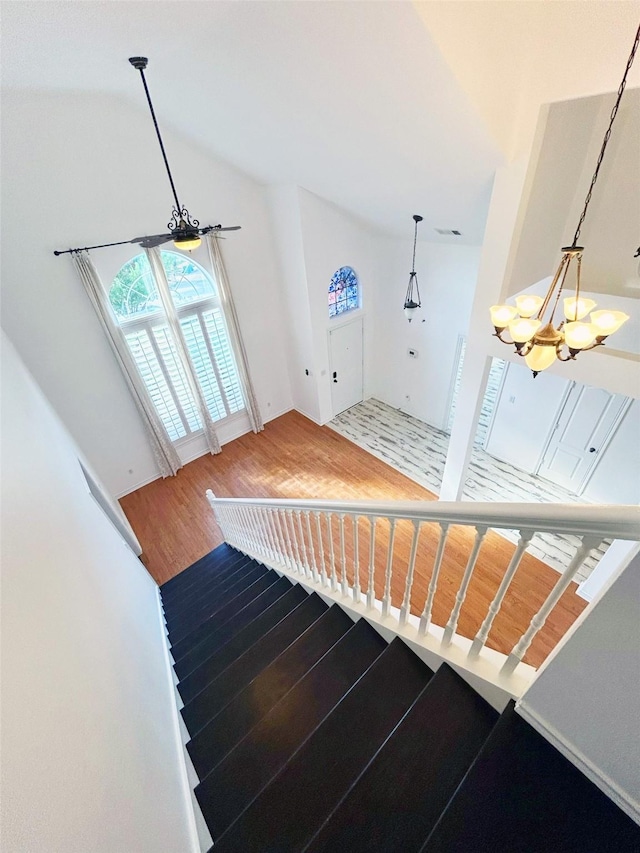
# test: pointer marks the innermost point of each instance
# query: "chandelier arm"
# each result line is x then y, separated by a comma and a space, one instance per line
605, 141
562, 281
578, 271
164, 154
552, 287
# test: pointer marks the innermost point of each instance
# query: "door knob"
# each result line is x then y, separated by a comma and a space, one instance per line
592, 450
335, 375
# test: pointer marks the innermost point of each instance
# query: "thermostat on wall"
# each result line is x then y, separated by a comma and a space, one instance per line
412, 353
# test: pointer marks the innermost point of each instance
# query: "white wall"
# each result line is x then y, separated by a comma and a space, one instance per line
587, 695
332, 239
525, 413
90, 760
85, 169
447, 277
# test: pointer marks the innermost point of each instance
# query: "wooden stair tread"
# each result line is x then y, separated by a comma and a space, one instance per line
258, 757
222, 732
180, 645
230, 600
201, 568
201, 592
290, 810
522, 796
237, 675
396, 802
228, 641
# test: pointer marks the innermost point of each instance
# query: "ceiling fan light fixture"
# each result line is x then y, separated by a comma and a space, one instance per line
186, 242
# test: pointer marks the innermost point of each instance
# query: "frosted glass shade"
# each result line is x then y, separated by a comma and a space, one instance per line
608, 322
579, 335
502, 315
540, 358
528, 304
187, 243
522, 330
409, 310
576, 309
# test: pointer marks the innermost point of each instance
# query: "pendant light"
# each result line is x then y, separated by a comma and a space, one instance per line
410, 303
538, 339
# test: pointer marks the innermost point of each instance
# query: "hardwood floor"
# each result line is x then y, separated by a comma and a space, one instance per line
295, 458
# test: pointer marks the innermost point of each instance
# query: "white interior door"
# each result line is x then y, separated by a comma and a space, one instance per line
345, 346
582, 431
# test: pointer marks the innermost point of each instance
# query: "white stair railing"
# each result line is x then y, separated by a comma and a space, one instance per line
308, 539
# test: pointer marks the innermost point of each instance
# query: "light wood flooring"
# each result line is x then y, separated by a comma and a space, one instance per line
295, 458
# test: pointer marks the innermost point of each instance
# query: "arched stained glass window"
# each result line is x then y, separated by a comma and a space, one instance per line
343, 292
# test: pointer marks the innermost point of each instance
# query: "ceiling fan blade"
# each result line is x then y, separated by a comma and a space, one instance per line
153, 240
207, 229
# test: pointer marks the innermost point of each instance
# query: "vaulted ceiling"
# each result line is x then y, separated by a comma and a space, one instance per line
385, 108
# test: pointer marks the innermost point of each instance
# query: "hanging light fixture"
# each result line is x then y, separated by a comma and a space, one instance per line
410, 303
184, 230
536, 338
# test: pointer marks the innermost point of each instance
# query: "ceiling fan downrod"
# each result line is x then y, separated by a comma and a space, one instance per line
181, 223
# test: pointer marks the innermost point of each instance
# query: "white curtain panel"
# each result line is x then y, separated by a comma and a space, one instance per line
155, 262
163, 450
229, 310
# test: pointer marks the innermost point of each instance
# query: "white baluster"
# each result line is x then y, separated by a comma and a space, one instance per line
323, 568
267, 532
312, 550
356, 561
425, 619
371, 592
343, 558
294, 539
406, 602
483, 633
520, 649
273, 535
277, 532
452, 624
332, 556
303, 545
243, 529
386, 599
282, 521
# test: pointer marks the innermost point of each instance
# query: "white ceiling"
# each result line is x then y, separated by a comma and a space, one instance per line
350, 100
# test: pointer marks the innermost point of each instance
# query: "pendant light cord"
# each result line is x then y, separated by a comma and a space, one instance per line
415, 240
605, 141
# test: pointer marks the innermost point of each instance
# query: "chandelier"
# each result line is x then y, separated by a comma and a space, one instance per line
413, 291
531, 322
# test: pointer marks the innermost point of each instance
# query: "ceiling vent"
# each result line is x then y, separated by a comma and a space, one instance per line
449, 232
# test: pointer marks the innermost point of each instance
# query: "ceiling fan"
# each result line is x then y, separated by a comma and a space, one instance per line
184, 230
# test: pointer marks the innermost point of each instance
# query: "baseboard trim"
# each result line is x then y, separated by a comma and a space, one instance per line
194, 840
615, 793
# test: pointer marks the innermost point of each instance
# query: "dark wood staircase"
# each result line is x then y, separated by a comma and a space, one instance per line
309, 732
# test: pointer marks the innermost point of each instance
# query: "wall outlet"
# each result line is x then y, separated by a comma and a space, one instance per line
512, 399
407, 398
412, 353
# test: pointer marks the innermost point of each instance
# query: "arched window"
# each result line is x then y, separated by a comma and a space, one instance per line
137, 305
343, 292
